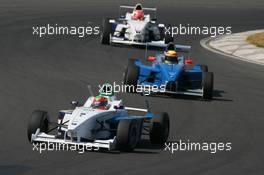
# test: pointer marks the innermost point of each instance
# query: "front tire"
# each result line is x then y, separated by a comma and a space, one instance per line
131, 75
127, 135
159, 129
168, 37
39, 119
162, 32
204, 68
106, 32
208, 85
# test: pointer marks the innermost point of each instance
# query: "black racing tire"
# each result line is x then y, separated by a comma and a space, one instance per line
131, 76
106, 31
162, 32
127, 135
39, 119
208, 85
171, 86
168, 37
159, 128
204, 68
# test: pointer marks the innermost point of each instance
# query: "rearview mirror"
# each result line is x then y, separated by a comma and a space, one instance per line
122, 16
74, 104
151, 58
188, 61
118, 107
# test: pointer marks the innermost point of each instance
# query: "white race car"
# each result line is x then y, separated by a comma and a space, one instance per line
102, 122
135, 28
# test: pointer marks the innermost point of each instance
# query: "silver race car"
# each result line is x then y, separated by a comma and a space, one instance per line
102, 122
135, 28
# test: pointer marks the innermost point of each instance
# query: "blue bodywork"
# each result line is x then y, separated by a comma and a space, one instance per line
119, 117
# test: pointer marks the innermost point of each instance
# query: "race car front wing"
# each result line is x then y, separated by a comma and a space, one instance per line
118, 40
191, 92
109, 144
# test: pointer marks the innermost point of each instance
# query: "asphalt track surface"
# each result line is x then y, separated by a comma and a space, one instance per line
47, 73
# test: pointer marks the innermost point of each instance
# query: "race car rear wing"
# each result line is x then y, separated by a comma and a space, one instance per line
183, 48
132, 7
178, 47
161, 46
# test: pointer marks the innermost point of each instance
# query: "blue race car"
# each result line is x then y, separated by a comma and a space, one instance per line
170, 72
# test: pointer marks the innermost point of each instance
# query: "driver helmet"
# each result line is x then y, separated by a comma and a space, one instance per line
171, 56
100, 102
138, 15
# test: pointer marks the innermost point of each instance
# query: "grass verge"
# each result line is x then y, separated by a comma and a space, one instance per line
257, 39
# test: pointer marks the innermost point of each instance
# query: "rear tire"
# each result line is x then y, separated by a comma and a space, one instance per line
131, 76
162, 32
160, 127
168, 37
39, 119
208, 85
204, 68
106, 32
127, 135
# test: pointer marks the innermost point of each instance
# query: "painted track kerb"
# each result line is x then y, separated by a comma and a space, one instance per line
236, 46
